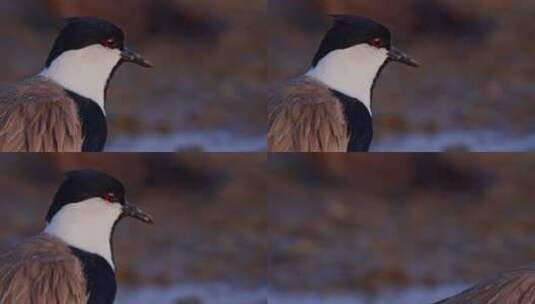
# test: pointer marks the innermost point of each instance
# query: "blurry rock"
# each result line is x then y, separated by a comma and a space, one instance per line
190, 149
164, 17
434, 17
129, 14
304, 13
396, 173
141, 17
392, 12
189, 176
395, 123
189, 300
459, 148
130, 174
30, 12
435, 172
129, 123
390, 275
428, 17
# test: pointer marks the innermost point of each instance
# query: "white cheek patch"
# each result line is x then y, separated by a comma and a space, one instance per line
351, 71
85, 71
87, 225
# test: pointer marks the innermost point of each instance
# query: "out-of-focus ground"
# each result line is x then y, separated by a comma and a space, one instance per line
475, 90
209, 239
206, 91
407, 229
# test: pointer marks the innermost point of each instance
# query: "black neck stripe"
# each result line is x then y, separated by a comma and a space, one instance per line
100, 278
94, 124
359, 123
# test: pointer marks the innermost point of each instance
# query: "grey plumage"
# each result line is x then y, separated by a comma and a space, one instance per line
42, 270
304, 116
37, 115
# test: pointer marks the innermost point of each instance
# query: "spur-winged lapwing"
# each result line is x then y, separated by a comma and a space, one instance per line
71, 262
62, 108
329, 108
512, 287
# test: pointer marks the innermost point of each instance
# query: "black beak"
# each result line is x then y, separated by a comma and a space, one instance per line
396, 55
131, 56
135, 212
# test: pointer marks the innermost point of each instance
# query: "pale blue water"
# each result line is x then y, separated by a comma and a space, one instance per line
227, 141
218, 293
213, 293
220, 141
413, 295
474, 141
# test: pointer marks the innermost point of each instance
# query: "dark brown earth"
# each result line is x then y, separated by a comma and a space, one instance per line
366, 223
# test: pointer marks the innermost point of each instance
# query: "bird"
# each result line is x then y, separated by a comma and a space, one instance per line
515, 286
71, 261
328, 109
62, 109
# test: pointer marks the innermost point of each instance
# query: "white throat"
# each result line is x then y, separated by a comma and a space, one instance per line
87, 225
84, 71
351, 71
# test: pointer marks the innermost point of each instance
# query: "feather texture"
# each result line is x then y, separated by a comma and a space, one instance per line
37, 115
305, 117
42, 270
513, 287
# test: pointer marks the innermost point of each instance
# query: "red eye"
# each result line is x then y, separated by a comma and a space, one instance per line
110, 197
110, 43
377, 42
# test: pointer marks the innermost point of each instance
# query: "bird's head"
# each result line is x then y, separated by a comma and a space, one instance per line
352, 55
85, 55
86, 208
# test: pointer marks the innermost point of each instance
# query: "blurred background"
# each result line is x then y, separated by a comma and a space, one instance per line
207, 90
396, 229
209, 241
474, 90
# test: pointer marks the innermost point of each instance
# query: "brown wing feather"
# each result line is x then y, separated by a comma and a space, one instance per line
38, 116
305, 117
42, 271
514, 287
